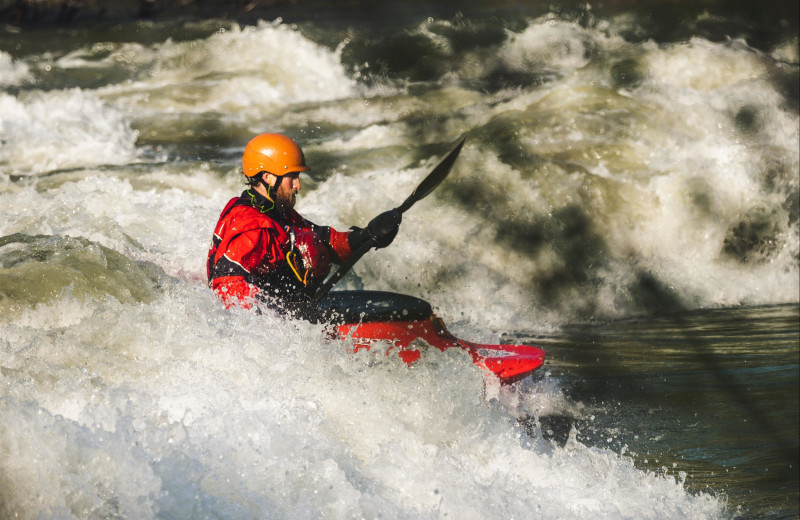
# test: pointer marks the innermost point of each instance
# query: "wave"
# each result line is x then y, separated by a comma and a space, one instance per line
42, 270
603, 177
45, 131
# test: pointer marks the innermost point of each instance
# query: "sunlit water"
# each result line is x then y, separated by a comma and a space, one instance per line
629, 204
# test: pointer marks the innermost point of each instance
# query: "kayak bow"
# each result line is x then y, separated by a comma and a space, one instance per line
367, 317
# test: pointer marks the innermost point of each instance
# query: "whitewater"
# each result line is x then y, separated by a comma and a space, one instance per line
602, 179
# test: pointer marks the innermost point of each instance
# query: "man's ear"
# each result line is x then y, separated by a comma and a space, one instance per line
270, 180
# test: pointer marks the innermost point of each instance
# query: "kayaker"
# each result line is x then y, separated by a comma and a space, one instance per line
263, 252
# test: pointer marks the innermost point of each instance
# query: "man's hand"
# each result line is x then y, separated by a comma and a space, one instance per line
383, 228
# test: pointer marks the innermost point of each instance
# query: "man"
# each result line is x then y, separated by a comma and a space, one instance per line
263, 251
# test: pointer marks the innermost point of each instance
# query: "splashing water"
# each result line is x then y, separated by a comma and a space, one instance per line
604, 177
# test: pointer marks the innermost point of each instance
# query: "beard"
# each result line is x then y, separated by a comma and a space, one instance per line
284, 201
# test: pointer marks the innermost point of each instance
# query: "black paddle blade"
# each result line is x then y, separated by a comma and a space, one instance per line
434, 178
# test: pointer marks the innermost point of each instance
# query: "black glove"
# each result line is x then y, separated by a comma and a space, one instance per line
381, 230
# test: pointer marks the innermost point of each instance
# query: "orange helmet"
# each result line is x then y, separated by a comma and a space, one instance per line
273, 153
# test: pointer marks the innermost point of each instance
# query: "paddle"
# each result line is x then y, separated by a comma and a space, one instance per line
425, 187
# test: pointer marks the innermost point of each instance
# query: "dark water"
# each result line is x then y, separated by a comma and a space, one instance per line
711, 397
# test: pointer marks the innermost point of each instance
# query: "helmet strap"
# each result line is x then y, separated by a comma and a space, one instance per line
261, 208
269, 187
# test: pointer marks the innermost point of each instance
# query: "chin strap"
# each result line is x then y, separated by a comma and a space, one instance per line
262, 209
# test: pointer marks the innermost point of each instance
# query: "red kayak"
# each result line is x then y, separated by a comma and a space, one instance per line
365, 317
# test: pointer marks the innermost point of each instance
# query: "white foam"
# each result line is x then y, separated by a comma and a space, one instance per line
168, 226
788, 51
182, 408
43, 131
549, 44
13, 72
702, 65
241, 72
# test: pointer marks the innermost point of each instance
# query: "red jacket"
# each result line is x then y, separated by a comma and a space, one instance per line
265, 255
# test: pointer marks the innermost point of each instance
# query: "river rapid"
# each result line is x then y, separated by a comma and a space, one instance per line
627, 198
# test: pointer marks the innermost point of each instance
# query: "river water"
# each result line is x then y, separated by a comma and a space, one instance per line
627, 199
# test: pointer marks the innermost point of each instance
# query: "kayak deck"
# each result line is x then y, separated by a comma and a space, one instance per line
369, 316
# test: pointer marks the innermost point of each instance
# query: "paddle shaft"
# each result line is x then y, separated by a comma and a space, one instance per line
424, 188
